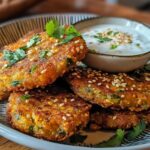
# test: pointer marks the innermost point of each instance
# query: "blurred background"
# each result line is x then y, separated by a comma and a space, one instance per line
134, 9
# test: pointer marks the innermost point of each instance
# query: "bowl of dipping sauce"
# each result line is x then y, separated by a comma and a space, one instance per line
115, 44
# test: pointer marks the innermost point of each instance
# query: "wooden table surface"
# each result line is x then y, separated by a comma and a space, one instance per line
92, 6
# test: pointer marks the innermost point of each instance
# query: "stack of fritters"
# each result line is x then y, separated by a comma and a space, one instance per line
37, 60
126, 99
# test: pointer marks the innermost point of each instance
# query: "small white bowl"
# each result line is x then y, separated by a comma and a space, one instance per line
115, 63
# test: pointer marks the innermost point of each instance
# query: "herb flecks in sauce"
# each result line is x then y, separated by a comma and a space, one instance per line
115, 37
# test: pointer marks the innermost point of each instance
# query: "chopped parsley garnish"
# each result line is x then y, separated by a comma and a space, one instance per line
63, 33
109, 32
25, 96
31, 129
33, 41
115, 33
138, 45
33, 68
13, 57
115, 141
137, 130
114, 46
15, 83
43, 54
102, 39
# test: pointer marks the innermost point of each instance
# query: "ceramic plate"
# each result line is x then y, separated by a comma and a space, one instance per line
13, 30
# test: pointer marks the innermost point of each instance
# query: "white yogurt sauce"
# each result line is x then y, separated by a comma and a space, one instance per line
139, 42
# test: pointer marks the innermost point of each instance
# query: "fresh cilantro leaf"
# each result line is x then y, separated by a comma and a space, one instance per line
77, 138
63, 33
33, 41
109, 32
15, 83
25, 96
137, 130
103, 39
51, 27
115, 141
59, 33
114, 46
13, 57
43, 54
72, 30
67, 38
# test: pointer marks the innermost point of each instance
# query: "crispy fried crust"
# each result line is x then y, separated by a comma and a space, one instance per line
116, 91
47, 70
47, 114
108, 119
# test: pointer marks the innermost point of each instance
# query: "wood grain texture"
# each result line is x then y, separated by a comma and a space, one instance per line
93, 6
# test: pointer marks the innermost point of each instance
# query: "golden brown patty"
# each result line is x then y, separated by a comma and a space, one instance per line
44, 62
108, 119
50, 114
116, 91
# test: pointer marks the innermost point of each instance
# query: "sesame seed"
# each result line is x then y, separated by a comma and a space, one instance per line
99, 84
89, 81
62, 104
76, 42
26, 92
131, 89
114, 117
89, 85
72, 100
28, 115
107, 86
64, 118
43, 71
55, 100
122, 96
81, 47
68, 115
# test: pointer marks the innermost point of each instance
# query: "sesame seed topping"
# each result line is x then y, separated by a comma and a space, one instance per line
62, 104
64, 118
72, 100
81, 47
122, 96
43, 71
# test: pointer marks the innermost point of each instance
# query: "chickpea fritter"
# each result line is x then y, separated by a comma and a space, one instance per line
36, 61
50, 114
110, 119
115, 91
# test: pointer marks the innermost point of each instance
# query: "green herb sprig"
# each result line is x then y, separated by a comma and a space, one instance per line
63, 33
14, 56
